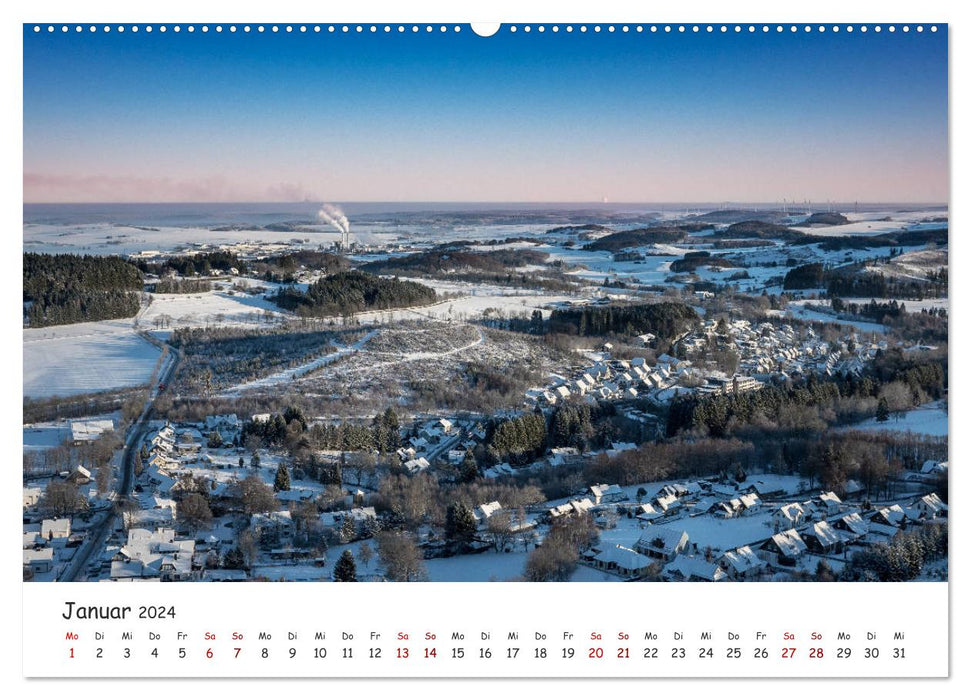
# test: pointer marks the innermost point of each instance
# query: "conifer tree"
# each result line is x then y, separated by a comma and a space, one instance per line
345, 569
282, 481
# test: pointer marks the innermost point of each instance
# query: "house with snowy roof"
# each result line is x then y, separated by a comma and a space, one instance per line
822, 538
750, 503
39, 561
685, 568
606, 493
893, 516
153, 555
618, 560
830, 502
788, 516
852, 527
417, 465
931, 506
662, 543
783, 548
742, 563
53, 529
484, 511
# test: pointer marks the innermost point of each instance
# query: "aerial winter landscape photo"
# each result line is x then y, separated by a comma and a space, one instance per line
570, 305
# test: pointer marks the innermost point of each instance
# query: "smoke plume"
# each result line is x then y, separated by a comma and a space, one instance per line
335, 217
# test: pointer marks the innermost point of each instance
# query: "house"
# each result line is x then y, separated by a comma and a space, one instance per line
750, 503
822, 538
788, 516
705, 505
604, 493
830, 503
156, 510
153, 555
223, 424
89, 430
32, 496
669, 505
765, 489
893, 516
852, 527
294, 495
559, 511
582, 505
932, 468
274, 527
618, 560
783, 548
662, 543
725, 509
684, 568
931, 506
647, 513
55, 529
417, 465
562, 456
40, 561
742, 563
485, 511
79, 475
880, 533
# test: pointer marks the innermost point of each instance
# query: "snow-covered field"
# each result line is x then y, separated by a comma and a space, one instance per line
929, 419
797, 309
873, 223
85, 357
209, 308
912, 305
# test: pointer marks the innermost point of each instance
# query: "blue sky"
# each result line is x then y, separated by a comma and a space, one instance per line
513, 117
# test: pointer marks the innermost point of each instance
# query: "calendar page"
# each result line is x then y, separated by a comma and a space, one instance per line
518, 350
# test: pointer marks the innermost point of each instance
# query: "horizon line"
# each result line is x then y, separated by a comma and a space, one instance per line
501, 201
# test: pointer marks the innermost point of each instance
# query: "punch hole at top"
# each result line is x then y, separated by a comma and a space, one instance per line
485, 28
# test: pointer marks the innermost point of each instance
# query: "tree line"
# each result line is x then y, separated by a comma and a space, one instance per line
182, 286
191, 265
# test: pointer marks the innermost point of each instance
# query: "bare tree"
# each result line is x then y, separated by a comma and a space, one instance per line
103, 478
63, 498
255, 495
401, 557
499, 530
194, 510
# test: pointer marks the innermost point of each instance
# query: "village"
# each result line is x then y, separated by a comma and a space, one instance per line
258, 520
765, 353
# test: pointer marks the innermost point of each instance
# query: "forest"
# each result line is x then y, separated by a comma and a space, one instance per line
60, 289
351, 292
666, 319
